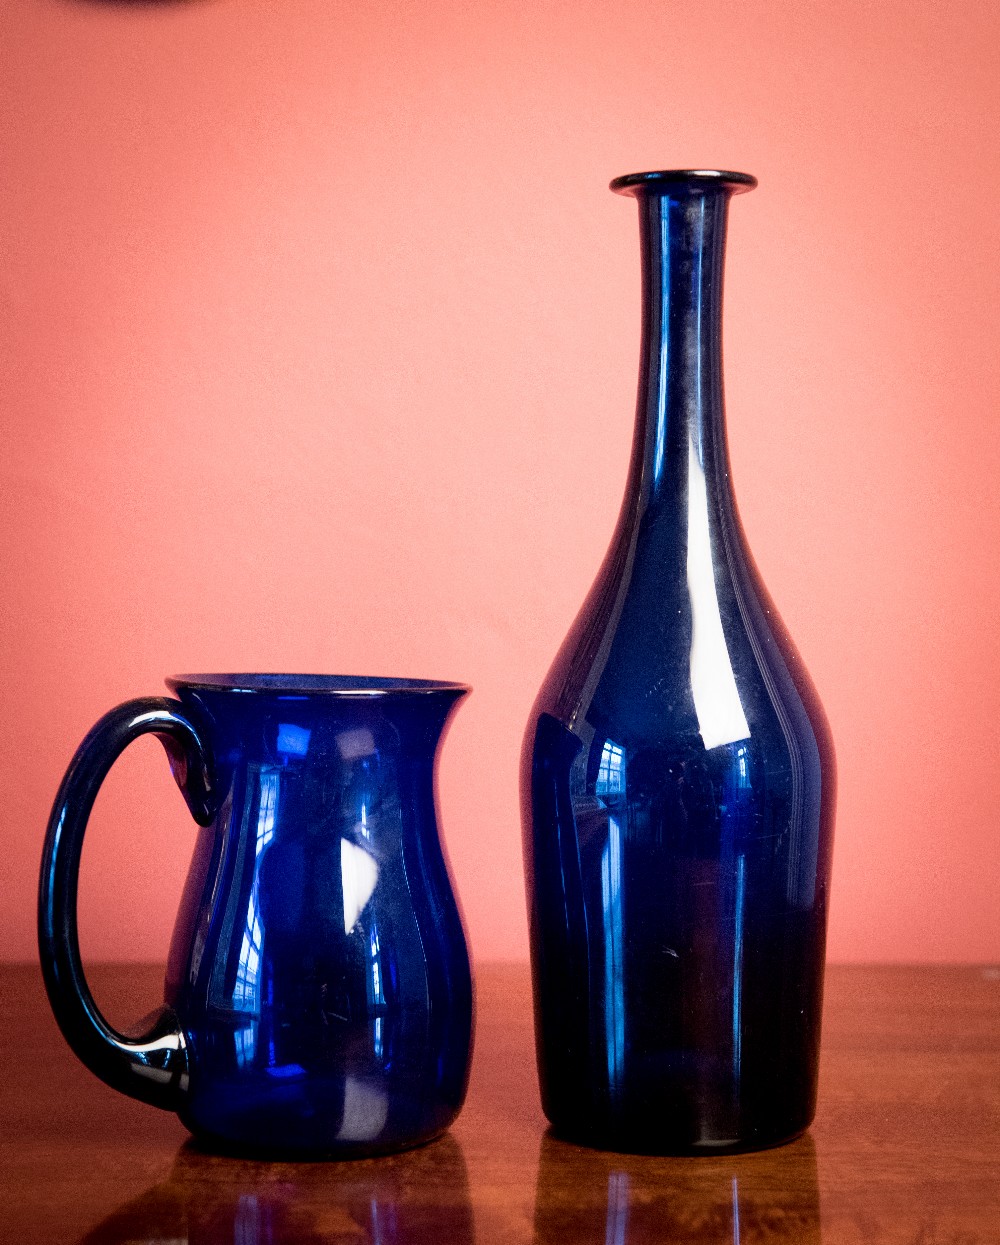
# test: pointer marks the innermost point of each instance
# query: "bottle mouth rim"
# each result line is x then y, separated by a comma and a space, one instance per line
315, 684
662, 181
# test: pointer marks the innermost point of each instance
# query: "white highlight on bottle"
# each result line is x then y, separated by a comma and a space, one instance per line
721, 719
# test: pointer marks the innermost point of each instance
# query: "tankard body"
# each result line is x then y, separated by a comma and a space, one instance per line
318, 994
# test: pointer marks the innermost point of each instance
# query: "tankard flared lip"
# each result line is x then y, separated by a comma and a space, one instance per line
659, 181
316, 684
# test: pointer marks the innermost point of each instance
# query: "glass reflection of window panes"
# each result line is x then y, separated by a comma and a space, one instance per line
248, 970
267, 807
611, 771
376, 993
246, 1044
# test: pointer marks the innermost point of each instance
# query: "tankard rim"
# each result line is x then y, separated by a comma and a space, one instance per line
340, 685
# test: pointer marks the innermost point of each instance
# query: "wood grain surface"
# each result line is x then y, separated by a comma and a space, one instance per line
904, 1148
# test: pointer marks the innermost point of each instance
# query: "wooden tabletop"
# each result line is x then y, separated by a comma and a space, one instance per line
905, 1147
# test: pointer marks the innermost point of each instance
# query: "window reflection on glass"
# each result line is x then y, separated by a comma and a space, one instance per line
611, 771
376, 993
355, 743
610, 786
741, 887
245, 991
293, 740
614, 968
743, 765
246, 1045
366, 1108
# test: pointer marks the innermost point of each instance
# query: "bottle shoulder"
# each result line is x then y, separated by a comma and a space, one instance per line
660, 653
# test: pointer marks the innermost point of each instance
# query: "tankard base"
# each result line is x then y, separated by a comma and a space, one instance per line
212, 1143
313, 1121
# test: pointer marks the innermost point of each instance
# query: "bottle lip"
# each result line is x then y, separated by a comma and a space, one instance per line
312, 684
662, 181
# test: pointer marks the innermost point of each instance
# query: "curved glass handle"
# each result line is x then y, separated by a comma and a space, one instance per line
153, 1066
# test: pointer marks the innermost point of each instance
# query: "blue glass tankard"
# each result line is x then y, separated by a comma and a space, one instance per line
319, 994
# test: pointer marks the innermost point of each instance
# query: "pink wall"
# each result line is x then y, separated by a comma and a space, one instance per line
318, 316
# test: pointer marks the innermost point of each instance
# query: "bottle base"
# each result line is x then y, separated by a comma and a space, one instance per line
629, 1141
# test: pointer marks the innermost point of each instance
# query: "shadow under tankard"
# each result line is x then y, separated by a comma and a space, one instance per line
414, 1196
592, 1197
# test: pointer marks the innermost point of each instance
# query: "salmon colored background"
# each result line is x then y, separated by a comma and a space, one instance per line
320, 345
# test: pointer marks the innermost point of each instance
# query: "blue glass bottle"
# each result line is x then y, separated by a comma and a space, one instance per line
678, 773
318, 994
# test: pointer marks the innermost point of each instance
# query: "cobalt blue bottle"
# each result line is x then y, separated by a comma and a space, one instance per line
678, 773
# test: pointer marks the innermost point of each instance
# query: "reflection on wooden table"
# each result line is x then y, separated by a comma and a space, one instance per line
420, 1195
611, 1199
904, 1150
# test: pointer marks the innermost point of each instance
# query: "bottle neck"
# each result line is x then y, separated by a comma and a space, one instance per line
680, 421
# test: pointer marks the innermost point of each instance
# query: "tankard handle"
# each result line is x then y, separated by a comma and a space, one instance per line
154, 1066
